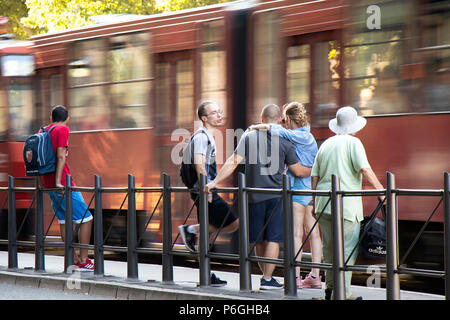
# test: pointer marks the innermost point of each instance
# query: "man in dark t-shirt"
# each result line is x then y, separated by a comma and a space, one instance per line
265, 157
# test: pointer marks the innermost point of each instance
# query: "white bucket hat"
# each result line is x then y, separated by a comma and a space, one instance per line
347, 121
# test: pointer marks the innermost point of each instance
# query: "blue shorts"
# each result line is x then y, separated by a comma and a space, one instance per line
304, 200
79, 208
259, 213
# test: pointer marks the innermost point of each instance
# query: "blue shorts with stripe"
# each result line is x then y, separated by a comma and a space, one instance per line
80, 213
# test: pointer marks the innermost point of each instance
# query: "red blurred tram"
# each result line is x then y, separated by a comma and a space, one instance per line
130, 83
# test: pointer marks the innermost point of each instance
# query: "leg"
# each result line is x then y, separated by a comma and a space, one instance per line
62, 229
84, 236
351, 236
260, 250
314, 239
271, 251
83, 217
299, 214
326, 227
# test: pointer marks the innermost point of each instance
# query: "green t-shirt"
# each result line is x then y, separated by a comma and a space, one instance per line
343, 156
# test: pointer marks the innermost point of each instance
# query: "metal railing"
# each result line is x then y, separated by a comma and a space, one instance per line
245, 255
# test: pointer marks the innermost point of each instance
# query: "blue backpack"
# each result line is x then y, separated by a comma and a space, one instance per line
38, 154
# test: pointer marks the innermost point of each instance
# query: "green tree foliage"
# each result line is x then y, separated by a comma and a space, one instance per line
15, 10
31, 17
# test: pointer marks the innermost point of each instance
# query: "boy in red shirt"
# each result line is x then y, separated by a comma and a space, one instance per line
60, 140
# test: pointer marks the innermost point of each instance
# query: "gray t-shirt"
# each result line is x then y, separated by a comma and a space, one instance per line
203, 143
265, 156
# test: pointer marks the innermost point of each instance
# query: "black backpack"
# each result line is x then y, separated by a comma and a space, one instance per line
373, 236
187, 171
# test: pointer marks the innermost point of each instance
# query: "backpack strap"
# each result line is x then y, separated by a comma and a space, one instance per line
44, 129
192, 148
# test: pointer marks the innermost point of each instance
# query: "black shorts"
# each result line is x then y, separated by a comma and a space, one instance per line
218, 211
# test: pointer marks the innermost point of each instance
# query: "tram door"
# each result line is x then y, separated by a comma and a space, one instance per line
313, 75
174, 95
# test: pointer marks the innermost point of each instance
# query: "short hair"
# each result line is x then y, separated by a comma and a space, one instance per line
59, 113
271, 112
201, 110
297, 113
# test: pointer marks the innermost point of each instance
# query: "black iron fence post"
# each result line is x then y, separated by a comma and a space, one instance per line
245, 283
131, 230
12, 225
99, 266
338, 240
393, 280
204, 264
290, 286
68, 234
167, 258
39, 229
447, 234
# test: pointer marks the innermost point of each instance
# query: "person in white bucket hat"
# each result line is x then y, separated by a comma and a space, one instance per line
347, 121
344, 156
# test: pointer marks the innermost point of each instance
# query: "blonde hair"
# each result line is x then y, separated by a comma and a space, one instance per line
297, 113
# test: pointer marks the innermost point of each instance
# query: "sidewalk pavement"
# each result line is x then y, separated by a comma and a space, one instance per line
149, 285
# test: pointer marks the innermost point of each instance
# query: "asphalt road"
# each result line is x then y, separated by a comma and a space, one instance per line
18, 292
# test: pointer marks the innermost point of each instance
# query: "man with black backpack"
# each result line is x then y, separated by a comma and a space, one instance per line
60, 140
200, 157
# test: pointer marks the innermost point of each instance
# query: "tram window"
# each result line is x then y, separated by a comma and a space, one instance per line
326, 82
435, 38
128, 57
3, 116
162, 93
213, 71
268, 54
87, 64
213, 77
88, 99
56, 91
185, 94
373, 58
17, 65
20, 110
298, 65
130, 105
89, 110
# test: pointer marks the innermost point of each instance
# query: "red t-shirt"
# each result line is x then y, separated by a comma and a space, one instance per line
60, 138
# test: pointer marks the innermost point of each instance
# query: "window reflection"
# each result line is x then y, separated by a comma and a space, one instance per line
267, 63
326, 82
298, 65
162, 92
213, 71
20, 110
3, 115
185, 94
110, 83
435, 52
373, 60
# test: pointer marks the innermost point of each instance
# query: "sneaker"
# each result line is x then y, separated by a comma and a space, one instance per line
299, 282
216, 282
310, 282
272, 284
188, 238
87, 266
